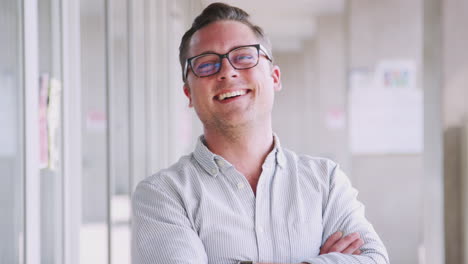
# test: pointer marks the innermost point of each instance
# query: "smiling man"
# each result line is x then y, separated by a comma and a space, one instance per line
240, 197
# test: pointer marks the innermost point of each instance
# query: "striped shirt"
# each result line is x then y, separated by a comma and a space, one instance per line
202, 210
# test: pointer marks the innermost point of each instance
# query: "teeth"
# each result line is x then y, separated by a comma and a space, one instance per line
231, 94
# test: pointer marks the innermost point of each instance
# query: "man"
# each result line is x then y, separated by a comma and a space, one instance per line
240, 197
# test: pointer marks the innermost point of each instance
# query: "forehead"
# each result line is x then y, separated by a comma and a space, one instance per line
220, 37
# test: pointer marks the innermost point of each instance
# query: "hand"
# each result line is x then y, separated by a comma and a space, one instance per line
349, 244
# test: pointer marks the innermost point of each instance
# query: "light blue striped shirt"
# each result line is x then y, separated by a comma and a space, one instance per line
202, 210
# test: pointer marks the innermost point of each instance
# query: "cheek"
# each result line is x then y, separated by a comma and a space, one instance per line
200, 98
196, 101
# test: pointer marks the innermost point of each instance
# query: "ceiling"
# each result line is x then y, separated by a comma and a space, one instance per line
287, 23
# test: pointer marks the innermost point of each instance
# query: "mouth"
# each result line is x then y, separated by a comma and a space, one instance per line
227, 96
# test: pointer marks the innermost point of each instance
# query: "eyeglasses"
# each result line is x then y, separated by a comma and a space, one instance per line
240, 58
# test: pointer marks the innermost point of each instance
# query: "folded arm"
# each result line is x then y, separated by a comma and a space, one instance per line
338, 243
344, 212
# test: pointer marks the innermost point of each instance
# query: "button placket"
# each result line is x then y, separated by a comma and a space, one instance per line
259, 214
260, 229
262, 212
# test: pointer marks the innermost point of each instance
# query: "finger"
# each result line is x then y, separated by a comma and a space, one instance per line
354, 246
357, 252
344, 242
330, 242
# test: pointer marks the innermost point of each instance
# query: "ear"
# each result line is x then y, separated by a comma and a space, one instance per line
276, 75
188, 94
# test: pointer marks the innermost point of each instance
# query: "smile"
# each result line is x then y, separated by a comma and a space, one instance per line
232, 94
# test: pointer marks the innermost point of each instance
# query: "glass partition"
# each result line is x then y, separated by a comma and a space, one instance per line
11, 133
50, 131
119, 130
94, 245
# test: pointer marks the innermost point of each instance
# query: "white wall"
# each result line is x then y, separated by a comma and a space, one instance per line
315, 83
390, 185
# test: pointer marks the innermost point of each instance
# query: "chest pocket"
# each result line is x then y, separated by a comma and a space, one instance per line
305, 239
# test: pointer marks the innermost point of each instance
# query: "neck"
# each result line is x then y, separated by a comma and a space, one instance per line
246, 148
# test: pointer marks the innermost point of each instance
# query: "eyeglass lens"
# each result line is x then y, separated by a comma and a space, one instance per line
241, 58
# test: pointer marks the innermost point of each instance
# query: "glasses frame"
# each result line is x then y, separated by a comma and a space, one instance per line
188, 62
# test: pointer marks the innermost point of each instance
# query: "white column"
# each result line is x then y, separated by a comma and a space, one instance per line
331, 68
31, 135
464, 189
433, 210
454, 118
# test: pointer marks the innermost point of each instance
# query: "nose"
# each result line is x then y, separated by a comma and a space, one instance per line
226, 71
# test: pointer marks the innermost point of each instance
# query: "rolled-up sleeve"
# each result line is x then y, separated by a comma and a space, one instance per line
161, 230
343, 212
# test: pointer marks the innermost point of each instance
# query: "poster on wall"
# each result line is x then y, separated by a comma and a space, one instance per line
54, 122
386, 109
49, 122
43, 126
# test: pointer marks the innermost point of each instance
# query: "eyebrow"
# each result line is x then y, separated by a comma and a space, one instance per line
213, 52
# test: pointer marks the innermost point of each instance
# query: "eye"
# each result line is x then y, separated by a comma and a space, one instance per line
205, 65
244, 57
207, 68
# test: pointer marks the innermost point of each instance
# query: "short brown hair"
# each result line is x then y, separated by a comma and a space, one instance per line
219, 12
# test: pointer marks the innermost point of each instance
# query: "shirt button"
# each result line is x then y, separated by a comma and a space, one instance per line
260, 229
214, 171
240, 185
220, 163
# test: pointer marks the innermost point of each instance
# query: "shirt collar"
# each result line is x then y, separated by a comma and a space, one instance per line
280, 158
205, 157
210, 161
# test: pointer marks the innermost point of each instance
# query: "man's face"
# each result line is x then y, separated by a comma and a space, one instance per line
254, 88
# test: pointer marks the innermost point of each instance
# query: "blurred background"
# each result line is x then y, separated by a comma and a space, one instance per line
91, 102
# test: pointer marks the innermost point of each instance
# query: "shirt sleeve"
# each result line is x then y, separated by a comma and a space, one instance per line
343, 212
161, 230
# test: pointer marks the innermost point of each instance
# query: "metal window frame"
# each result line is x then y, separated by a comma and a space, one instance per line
72, 119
